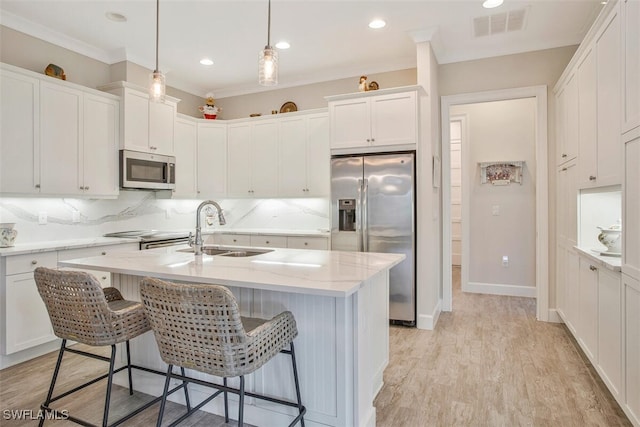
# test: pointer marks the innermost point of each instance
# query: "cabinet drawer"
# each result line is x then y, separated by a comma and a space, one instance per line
231, 239
269, 241
320, 243
29, 262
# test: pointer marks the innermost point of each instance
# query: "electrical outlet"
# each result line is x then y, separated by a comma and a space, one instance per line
75, 216
167, 213
505, 261
42, 218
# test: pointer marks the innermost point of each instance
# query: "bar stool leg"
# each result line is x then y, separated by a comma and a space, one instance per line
295, 379
226, 402
129, 369
186, 390
241, 407
112, 361
164, 395
54, 378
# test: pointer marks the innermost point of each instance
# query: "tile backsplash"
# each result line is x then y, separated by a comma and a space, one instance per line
141, 210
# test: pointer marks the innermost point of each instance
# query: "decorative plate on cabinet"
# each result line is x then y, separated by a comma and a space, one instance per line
288, 107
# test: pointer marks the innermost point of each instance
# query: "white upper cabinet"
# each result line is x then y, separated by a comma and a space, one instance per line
19, 133
100, 146
146, 126
212, 160
608, 103
186, 139
58, 138
61, 139
587, 114
367, 119
630, 14
252, 159
303, 169
567, 102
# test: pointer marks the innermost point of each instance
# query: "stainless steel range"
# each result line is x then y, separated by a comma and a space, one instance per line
150, 239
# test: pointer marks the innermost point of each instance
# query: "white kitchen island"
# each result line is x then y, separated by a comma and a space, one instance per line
339, 299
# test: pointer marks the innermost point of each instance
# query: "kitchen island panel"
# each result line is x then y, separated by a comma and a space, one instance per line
341, 349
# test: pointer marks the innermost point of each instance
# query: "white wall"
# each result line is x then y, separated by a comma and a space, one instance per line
500, 131
307, 97
542, 67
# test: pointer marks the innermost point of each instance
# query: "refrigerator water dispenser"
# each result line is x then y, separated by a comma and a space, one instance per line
347, 214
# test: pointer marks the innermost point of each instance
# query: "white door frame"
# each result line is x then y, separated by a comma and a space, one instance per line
542, 188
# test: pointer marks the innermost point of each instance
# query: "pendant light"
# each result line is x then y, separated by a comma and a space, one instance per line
157, 87
268, 60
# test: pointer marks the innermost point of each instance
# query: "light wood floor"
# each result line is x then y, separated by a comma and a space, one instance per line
489, 363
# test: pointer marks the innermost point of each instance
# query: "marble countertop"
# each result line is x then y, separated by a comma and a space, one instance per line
613, 263
310, 272
58, 245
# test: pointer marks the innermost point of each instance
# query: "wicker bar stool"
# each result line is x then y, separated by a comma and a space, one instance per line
199, 327
81, 310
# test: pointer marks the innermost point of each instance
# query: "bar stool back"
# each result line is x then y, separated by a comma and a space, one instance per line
81, 310
199, 327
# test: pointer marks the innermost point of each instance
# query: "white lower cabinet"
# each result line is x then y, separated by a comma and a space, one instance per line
587, 327
26, 320
610, 330
267, 241
318, 243
631, 297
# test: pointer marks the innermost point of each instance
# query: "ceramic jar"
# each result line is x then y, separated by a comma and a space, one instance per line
610, 237
7, 234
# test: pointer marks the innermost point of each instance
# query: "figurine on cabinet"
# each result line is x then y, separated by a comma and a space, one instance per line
362, 87
209, 110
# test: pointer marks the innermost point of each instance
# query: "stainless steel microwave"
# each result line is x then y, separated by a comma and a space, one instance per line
147, 171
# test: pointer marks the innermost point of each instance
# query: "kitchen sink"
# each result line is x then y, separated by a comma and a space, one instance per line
252, 252
229, 251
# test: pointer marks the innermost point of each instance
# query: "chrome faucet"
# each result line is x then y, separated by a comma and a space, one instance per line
197, 245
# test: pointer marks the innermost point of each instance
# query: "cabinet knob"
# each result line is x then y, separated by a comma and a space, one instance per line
234, 240
593, 268
373, 139
564, 169
306, 244
198, 191
34, 262
104, 277
86, 188
564, 155
267, 242
37, 185
104, 253
368, 140
592, 178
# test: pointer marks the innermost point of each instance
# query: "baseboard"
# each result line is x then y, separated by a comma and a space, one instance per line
428, 321
494, 289
554, 316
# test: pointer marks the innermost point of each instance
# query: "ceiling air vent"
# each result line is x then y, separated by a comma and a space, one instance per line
499, 23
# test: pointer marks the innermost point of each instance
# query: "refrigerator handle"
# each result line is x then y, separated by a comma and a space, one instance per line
365, 215
359, 217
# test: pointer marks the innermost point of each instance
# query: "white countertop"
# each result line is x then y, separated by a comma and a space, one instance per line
613, 263
311, 272
58, 245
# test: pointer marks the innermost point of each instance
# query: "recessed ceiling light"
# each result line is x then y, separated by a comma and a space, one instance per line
283, 45
206, 61
116, 17
377, 24
490, 4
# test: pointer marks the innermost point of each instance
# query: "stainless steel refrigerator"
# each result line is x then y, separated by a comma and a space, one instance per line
373, 210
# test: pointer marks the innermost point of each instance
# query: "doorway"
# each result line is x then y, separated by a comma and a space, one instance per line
540, 187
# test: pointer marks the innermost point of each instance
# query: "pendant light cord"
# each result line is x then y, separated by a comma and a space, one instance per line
158, 31
268, 26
